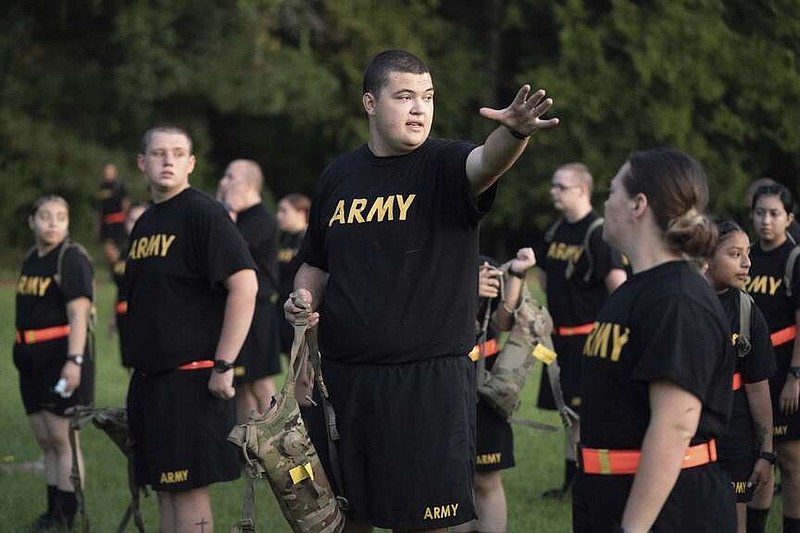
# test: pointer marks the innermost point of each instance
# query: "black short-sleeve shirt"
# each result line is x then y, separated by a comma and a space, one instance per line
574, 302
259, 229
181, 253
766, 285
289, 260
41, 302
663, 323
398, 236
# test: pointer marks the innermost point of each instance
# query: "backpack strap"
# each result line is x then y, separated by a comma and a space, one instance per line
587, 277
60, 261
550, 234
743, 345
788, 275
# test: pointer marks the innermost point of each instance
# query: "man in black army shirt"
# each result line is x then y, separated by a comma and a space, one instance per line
389, 257
260, 356
191, 294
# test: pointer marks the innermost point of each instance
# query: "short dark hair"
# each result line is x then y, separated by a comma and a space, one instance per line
677, 191
726, 228
165, 128
377, 72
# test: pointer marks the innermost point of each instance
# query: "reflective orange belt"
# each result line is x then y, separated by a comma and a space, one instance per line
489, 347
737, 381
610, 462
197, 365
114, 218
782, 336
571, 331
121, 308
32, 336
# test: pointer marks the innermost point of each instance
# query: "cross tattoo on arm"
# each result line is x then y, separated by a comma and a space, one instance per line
202, 523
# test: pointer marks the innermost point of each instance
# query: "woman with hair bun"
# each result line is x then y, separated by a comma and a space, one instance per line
772, 211
658, 364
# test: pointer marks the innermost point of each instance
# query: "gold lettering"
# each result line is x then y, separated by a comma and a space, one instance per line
601, 336
166, 242
620, 340
43, 284
428, 514
436, 512
404, 206
153, 245
740, 487
774, 283
758, 285
338, 213
356, 208
141, 248
383, 207
551, 250
454, 506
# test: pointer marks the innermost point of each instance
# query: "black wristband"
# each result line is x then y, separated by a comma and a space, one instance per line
520, 275
794, 371
517, 135
771, 457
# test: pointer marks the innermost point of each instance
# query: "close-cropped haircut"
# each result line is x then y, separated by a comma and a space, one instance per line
676, 189
376, 75
581, 172
165, 128
298, 201
775, 189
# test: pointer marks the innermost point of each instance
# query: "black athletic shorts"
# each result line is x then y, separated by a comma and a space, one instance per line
495, 443
737, 449
260, 354
407, 447
39, 367
785, 428
569, 351
700, 501
180, 431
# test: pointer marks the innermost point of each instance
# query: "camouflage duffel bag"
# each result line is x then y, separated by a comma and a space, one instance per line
528, 340
276, 446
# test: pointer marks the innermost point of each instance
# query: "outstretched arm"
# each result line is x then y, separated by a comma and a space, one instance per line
504, 145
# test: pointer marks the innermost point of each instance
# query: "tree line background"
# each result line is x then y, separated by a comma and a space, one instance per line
279, 81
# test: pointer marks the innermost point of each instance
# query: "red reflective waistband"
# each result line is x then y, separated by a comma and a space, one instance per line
489, 347
197, 365
570, 331
610, 462
121, 308
114, 218
782, 336
32, 336
737, 381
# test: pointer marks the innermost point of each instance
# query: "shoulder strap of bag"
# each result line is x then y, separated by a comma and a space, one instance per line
587, 277
743, 345
788, 275
550, 234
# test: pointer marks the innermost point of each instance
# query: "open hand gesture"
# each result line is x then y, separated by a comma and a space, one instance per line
523, 116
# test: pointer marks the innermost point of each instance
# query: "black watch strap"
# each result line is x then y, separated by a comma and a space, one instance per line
794, 371
767, 456
520, 275
222, 366
77, 359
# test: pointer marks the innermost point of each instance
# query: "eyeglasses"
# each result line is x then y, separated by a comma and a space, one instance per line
561, 187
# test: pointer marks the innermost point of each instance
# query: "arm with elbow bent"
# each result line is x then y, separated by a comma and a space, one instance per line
78, 313
504, 315
240, 304
675, 415
309, 286
501, 149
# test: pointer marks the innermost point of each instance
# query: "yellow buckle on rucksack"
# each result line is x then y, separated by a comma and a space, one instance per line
299, 473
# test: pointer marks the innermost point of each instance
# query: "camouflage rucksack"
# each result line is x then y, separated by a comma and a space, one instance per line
528, 340
275, 445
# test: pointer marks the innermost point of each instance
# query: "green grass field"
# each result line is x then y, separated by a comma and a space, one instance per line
539, 464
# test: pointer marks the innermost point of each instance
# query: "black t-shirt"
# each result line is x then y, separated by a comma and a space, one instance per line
41, 302
663, 323
289, 261
118, 274
182, 252
574, 302
759, 363
766, 285
398, 236
110, 197
257, 226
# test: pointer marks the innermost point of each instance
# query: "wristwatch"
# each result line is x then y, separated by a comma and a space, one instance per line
768, 456
77, 359
520, 275
222, 366
794, 371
